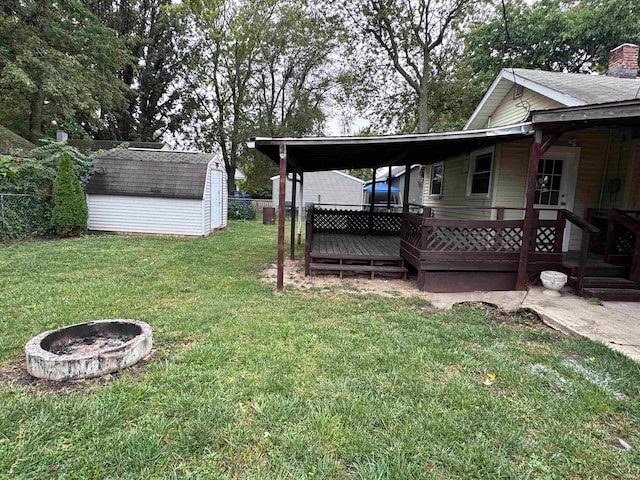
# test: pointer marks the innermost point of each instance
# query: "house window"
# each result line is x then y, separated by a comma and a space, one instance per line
548, 182
437, 170
480, 166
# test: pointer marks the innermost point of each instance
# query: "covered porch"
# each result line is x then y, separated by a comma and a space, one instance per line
496, 248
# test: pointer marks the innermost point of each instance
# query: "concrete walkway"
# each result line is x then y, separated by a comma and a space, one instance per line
616, 324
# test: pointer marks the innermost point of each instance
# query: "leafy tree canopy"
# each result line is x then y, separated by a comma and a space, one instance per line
57, 62
558, 35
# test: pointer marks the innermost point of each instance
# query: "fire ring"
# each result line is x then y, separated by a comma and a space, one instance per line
87, 350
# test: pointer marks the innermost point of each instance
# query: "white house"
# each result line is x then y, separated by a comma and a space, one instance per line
157, 191
331, 188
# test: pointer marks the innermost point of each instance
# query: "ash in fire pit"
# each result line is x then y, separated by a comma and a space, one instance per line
88, 349
89, 344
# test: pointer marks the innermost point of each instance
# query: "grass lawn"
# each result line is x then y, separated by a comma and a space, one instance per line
249, 384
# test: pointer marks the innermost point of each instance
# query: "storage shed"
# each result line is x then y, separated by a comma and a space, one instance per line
157, 191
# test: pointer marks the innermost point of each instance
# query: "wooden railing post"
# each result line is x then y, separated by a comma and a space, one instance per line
608, 245
308, 241
582, 266
560, 226
500, 213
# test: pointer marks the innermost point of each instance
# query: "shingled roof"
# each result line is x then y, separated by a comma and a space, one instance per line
149, 173
583, 87
568, 89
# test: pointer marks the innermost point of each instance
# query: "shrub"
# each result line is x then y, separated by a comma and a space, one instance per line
241, 209
70, 211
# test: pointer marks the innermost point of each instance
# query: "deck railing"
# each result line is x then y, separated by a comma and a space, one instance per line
622, 245
587, 230
428, 242
348, 222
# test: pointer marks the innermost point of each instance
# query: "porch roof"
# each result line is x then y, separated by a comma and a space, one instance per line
604, 114
335, 153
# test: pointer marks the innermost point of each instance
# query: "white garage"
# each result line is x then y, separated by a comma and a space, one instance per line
157, 191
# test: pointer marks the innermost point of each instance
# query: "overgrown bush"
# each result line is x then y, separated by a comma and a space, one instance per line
24, 215
241, 209
70, 211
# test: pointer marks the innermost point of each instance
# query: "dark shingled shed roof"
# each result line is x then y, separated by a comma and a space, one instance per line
149, 173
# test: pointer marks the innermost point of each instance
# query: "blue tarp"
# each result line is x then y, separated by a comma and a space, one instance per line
382, 187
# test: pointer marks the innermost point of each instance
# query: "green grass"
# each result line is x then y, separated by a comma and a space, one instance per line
250, 384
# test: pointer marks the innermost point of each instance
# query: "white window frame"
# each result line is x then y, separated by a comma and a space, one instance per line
472, 170
431, 171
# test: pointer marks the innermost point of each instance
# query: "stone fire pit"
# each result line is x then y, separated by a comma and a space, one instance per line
88, 349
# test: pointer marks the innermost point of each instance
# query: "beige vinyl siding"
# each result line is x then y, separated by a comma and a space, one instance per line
512, 111
511, 177
454, 190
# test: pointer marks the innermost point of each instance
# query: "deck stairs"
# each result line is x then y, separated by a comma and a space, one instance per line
371, 265
603, 280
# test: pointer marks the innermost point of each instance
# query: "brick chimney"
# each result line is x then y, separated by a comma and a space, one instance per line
623, 61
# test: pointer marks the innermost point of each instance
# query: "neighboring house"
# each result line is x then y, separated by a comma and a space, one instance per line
325, 188
157, 191
397, 181
11, 143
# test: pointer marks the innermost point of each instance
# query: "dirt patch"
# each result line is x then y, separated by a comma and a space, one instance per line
15, 374
524, 317
294, 278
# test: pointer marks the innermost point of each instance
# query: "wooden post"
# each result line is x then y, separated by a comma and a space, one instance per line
373, 200
294, 188
281, 215
529, 214
610, 237
389, 189
500, 213
302, 208
407, 183
308, 242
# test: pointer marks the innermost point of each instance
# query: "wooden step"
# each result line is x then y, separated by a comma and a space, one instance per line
372, 269
612, 294
605, 270
607, 282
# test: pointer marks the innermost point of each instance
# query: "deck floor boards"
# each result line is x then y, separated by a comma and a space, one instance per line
358, 245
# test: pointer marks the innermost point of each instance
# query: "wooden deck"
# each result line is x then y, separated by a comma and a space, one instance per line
356, 245
356, 254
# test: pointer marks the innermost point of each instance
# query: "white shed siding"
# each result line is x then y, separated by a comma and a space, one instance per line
225, 198
328, 187
114, 213
206, 204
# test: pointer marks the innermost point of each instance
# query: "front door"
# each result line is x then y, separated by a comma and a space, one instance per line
556, 185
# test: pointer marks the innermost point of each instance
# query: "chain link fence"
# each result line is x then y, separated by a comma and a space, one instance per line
22, 215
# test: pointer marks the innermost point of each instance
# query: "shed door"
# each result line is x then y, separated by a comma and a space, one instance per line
216, 199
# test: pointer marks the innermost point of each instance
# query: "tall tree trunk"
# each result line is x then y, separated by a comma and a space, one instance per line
36, 114
423, 101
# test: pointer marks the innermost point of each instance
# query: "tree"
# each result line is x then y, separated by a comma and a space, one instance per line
57, 62
70, 211
258, 70
558, 35
155, 38
405, 53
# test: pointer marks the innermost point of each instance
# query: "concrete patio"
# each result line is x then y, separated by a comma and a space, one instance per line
616, 324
